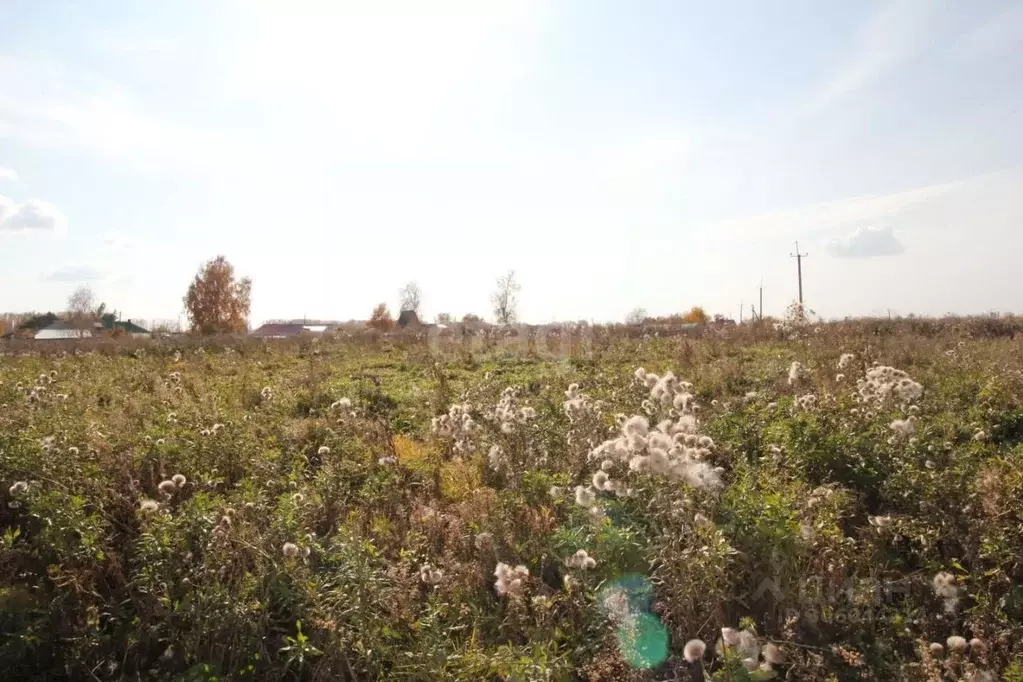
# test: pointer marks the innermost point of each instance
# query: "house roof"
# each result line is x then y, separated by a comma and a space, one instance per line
279, 330
408, 317
62, 329
130, 327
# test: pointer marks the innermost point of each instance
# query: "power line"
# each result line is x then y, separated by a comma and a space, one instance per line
799, 270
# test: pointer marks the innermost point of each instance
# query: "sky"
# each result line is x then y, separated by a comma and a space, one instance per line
616, 155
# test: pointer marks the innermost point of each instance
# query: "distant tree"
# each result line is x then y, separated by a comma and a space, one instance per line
471, 319
381, 319
164, 326
81, 308
81, 301
444, 318
34, 323
503, 299
636, 316
411, 297
696, 315
216, 302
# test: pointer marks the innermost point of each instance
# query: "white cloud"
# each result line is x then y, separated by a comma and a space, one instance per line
854, 212
31, 215
866, 242
8, 174
119, 240
74, 273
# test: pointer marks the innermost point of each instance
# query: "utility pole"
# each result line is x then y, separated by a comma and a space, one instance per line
740, 312
799, 269
761, 300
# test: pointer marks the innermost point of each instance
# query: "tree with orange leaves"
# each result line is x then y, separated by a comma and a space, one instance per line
697, 315
217, 303
381, 319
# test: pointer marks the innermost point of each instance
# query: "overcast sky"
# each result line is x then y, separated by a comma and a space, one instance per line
653, 153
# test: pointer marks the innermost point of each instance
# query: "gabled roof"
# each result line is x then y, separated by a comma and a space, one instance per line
62, 329
279, 330
130, 327
408, 318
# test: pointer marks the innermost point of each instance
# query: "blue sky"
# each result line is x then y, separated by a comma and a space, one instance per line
656, 154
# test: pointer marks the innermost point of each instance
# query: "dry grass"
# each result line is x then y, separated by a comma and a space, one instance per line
824, 537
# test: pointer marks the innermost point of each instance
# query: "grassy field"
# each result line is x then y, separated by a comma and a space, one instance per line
343, 510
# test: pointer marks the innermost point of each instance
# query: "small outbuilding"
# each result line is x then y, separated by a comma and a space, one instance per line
408, 319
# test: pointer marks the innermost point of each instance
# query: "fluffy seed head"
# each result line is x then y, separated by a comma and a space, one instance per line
510, 580
957, 644
290, 549
179, 480
773, 655
167, 487
694, 650
584, 496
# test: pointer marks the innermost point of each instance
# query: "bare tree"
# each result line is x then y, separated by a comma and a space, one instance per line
81, 307
503, 299
411, 297
444, 318
636, 316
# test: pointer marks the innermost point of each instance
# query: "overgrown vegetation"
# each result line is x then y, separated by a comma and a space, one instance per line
468, 509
